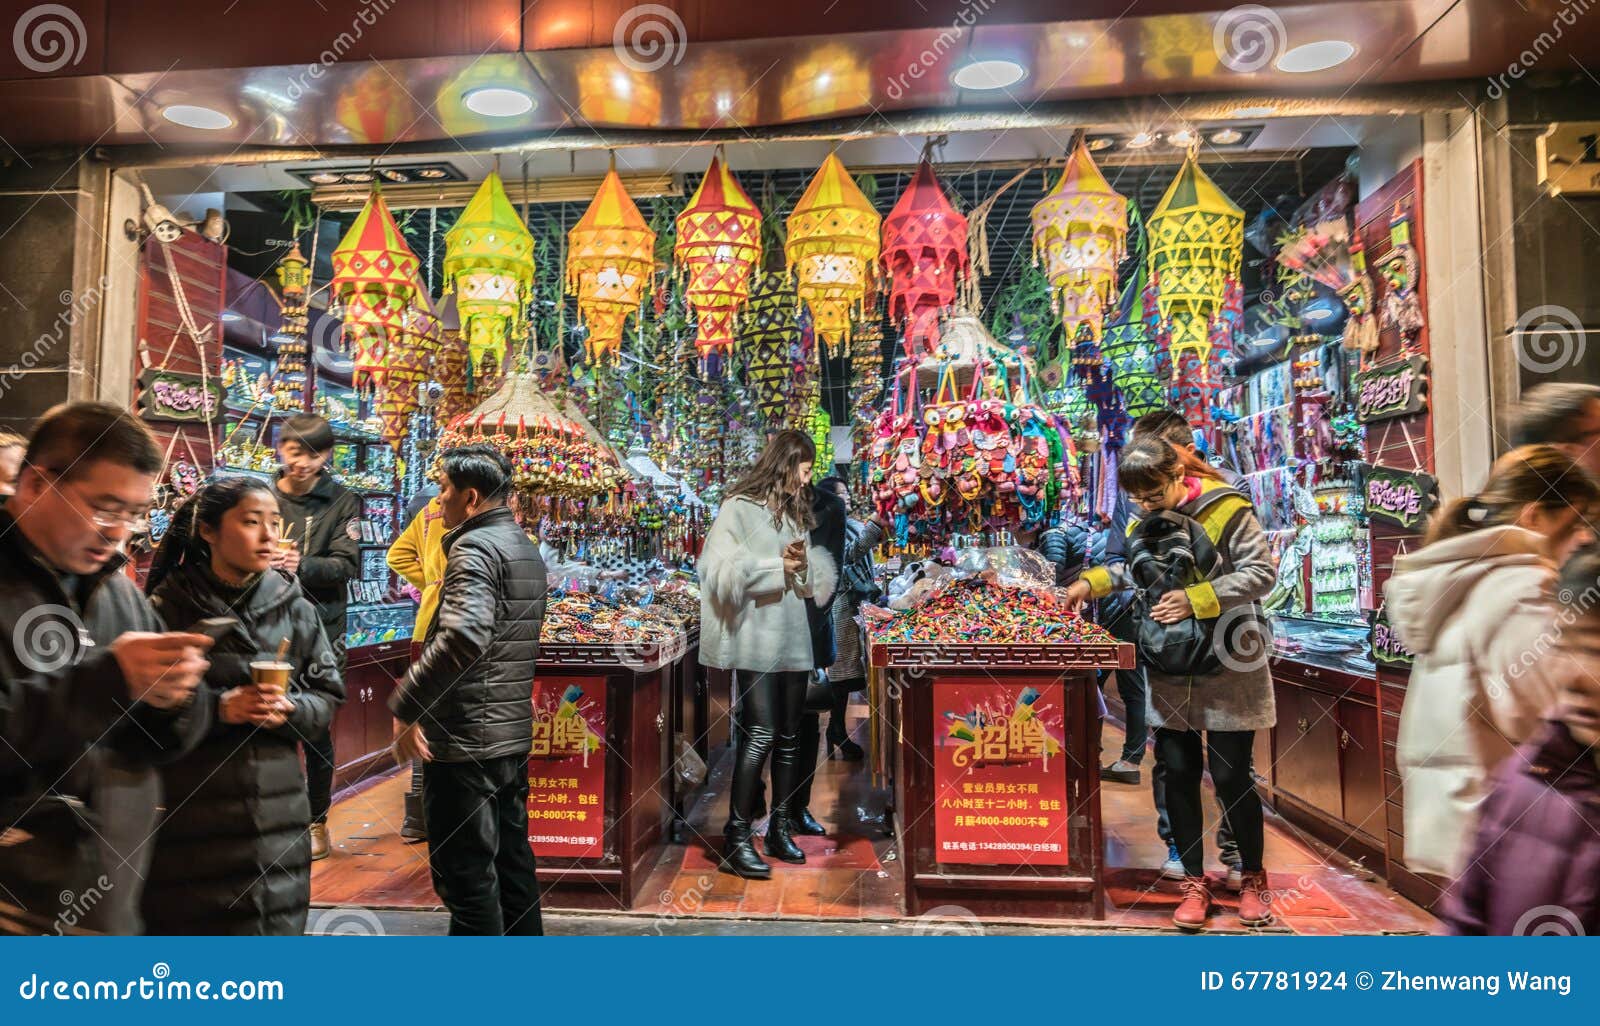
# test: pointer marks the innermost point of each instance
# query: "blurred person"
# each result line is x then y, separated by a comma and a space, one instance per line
759, 571
1536, 854
233, 852
93, 694
1206, 719
417, 556
465, 706
322, 523
1473, 605
1566, 416
12, 446
1065, 546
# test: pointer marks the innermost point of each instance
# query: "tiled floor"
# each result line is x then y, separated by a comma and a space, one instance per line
853, 874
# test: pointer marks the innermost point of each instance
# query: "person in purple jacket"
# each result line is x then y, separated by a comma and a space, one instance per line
1535, 862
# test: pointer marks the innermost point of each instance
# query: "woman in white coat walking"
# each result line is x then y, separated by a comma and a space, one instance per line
756, 571
1477, 608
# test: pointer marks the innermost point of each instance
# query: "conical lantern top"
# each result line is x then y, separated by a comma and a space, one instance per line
832, 249
488, 263
925, 253
718, 246
1196, 246
1080, 231
610, 257
373, 255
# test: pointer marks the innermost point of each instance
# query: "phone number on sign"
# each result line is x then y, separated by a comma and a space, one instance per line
1251, 979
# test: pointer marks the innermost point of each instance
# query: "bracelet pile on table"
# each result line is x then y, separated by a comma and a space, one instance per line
978, 613
589, 620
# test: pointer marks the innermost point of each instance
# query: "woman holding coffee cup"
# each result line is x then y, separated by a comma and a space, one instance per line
233, 854
757, 572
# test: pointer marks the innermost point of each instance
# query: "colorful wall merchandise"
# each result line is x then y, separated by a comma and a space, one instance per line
610, 260
1395, 389
1000, 780
1080, 231
925, 256
1399, 497
832, 250
1402, 305
866, 385
718, 247
488, 264
1196, 238
567, 768
179, 398
1387, 648
294, 281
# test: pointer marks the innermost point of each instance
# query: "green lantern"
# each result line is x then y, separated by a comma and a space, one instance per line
488, 263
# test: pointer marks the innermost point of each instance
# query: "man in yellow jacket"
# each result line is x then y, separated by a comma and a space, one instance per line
418, 557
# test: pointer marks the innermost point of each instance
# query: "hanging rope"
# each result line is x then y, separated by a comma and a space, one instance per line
978, 241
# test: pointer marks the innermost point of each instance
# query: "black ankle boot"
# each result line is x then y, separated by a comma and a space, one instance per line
780, 845
739, 858
803, 822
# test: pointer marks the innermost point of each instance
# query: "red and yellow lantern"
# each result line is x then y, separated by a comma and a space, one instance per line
375, 290
719, 244
1080, 232
610, 258
832, 249
925, 256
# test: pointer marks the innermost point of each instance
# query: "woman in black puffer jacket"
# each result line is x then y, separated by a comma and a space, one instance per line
233, 853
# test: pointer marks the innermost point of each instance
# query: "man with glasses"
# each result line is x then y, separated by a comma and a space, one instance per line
92, 693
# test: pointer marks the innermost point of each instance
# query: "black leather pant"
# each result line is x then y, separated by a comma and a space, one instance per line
770, 707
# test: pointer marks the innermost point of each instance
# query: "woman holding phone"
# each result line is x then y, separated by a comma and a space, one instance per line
757, 570
233, 854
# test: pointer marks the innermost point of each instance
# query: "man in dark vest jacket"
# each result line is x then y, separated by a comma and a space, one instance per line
465, 707
92, 695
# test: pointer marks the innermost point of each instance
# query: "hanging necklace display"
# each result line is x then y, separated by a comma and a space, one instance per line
1402, 307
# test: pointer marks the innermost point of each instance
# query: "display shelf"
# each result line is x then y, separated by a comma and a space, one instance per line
623, 655
934, 655
1331, 644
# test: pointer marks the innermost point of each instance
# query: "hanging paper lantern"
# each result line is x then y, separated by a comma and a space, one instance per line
408, 365
771, 344
450, 371
832, 249
866, 381
1196, 245
294, 276
818, 425
294, 279
719, 244
488, 263
1080, 230
925, 255
375, 286
610, 259
1132, 348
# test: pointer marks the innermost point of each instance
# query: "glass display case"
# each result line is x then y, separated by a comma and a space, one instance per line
1327, 644
375, 624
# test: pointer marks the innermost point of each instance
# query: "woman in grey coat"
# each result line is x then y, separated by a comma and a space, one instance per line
1228, 705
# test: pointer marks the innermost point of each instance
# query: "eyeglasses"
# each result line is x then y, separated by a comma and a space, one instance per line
135, 521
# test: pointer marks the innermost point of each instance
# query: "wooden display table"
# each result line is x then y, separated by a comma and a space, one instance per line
997, 775
600, 792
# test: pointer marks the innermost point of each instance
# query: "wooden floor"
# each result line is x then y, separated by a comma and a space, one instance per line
854, 872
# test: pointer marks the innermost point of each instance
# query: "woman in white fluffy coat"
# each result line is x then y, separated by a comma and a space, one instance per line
1477, 608
757, 569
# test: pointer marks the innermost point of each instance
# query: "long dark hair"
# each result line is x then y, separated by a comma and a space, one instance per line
771, 482
182, 543
1534, 475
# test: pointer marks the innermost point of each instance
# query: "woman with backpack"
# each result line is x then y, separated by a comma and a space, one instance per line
1476, 605
1198, 562
233, 854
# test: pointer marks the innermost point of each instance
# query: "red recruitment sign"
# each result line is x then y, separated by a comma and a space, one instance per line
1000, 773
567, 768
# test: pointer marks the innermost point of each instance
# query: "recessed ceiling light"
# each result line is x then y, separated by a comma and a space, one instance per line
1226, 136
430, 172
1318, 56
391, 175
497, 102
1182, 137
1139, 140
358, 176
191, 116
325, 178
992, 74
1101, 143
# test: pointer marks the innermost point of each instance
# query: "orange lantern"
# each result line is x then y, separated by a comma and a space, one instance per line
925, 254
832, 249
1080, 230
610, 259
719, 243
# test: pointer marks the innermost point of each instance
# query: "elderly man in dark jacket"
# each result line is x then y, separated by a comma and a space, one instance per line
92, 696
465, 707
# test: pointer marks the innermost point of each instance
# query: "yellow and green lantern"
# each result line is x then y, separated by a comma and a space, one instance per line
488, 263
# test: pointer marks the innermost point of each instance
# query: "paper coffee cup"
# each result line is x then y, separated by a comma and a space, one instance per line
271, 673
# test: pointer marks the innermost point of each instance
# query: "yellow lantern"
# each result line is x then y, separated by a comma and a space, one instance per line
1080, 230
719, 243
833, 249
294, 276
488, 262
1196, 239
610, 259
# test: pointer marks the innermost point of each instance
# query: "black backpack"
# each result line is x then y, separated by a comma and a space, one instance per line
1168, 551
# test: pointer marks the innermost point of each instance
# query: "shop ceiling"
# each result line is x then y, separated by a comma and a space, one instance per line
319, 80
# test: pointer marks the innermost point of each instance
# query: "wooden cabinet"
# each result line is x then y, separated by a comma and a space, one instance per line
363, 727
1361, 767
1306, 749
